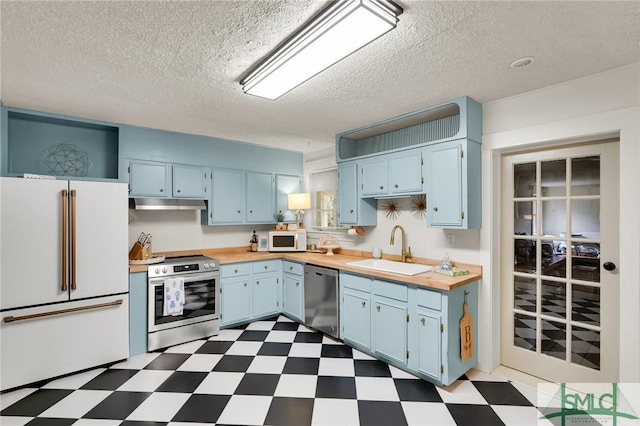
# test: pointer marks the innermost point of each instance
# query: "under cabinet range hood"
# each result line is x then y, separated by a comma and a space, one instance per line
165, 204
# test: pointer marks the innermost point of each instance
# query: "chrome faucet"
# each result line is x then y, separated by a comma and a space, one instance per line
407, 257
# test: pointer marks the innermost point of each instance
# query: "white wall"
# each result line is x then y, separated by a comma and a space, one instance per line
602, 104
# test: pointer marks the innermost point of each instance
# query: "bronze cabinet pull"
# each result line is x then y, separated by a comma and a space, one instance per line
63, 237
63, 311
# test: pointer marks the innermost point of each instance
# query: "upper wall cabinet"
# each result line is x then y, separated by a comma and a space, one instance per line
392, 175
156, 179
49, 144
457, 119
353, 209
260, 197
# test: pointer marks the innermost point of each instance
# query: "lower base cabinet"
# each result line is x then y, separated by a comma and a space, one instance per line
389, 329
356, 319
429, 344
293, 282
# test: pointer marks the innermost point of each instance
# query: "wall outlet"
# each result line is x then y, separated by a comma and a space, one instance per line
451, 240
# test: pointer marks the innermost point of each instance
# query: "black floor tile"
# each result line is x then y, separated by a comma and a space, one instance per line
47, 421
306, 337
140, 423
286, 326
501, 393
382, 413
301, 366
336, 387
290, 412
253, 335
214, 347
416, 390
202, 408
109, 379
258, 384
336, 351
35, 403
167, 362
234, 363
182, 381
371, 368
474, 415
118, 405
275, 348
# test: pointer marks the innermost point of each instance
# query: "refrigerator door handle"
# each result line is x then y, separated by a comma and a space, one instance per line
73, 240
63, 238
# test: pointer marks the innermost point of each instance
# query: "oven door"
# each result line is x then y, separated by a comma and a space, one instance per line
201, 301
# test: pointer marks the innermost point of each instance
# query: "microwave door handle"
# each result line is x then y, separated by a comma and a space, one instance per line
296, 240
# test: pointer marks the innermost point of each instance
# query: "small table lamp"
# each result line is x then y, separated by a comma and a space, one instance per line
299, 202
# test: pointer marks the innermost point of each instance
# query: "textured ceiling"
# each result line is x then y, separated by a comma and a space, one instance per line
177, 65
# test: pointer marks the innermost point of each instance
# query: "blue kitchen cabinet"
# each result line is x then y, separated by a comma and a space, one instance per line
260, 198
293, 283
190, 181
355, 310
374, 172
227, 202
250, 290
285, 185
352, 209
405, 172
429, 343
454, 187
149, 179
389, 318
138, 288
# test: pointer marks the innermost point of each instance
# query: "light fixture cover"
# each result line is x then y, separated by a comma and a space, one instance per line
335, 33
299, 201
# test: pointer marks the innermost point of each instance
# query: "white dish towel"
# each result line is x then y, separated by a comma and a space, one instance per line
173, 296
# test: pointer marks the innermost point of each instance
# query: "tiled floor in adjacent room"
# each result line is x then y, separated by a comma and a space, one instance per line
268, 373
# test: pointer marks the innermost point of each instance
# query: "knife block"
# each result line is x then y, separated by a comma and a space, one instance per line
140, 251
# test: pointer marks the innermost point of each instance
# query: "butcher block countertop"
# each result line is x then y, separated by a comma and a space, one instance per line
338, 261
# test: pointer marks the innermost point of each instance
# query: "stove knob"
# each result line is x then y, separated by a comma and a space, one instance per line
205, 265
164, 270
157, 270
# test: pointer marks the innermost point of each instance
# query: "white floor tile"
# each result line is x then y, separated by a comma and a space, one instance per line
220, 383
267, 364
76, 404
283, 318
145, 381
376, 389
261, 325
480, 376
305, 350
137, 362
335, 412
200, 362
227, 335
427, 414
361, 355
461, 392
186, 348
244, 348
305, 329
97, 422
297, 386
396, 373
336, 367
281, 336
245, 410
7, 399
329, 341
14, 421
517, 416
159, 407
76, 381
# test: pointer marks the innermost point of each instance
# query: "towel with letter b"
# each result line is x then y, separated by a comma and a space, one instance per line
173, 296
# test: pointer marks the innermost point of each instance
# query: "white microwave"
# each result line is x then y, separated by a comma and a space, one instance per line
288, 240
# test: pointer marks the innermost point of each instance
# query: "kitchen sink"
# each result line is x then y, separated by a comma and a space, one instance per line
391, 266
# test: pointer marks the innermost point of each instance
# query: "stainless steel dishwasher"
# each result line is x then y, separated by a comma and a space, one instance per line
321, 305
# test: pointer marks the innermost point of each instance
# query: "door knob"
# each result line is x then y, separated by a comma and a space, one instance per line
609, 266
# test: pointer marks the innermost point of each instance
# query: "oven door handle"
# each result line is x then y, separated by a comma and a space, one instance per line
188, 278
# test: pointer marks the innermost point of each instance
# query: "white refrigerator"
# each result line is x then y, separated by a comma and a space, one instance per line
64, 303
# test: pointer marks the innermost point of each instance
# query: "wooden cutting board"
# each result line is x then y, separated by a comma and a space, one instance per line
466, 334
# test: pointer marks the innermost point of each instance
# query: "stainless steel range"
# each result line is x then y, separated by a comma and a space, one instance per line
200, 316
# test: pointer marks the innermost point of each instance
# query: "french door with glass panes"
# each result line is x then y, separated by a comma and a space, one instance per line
559, 239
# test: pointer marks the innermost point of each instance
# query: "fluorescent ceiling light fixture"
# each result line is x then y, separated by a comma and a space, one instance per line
334, 34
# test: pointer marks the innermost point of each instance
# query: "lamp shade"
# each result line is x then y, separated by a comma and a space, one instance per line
299, 201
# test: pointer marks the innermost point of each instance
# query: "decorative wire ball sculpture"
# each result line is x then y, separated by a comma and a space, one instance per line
67, 160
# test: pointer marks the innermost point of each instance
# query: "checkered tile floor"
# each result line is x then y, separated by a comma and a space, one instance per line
273, 372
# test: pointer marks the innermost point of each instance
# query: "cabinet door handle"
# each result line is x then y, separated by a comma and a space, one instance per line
381, 187
161, 190
297, 283
364, 303
422, 320
395, 186
257, 282
291, 268
238, 211
235, 271
435, 209
250, 211
178, 191
265, 266
351, 211
245, 284
378, 308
